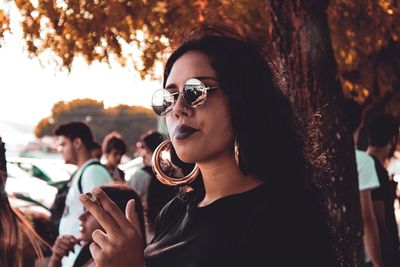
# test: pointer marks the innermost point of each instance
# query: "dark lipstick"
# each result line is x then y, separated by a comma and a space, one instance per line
183, 131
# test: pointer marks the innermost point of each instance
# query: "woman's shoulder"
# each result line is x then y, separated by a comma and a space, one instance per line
174, 209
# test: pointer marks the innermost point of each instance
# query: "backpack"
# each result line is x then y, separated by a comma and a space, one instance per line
58, 206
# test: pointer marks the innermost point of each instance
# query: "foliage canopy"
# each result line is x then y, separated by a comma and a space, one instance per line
99, 29
366, 40
139, 33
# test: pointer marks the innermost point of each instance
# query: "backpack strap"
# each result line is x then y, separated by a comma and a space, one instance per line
80, 176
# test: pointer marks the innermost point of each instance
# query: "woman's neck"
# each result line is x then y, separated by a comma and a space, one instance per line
223, 178
110, 166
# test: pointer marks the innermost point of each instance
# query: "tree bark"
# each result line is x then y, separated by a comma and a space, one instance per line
303, 61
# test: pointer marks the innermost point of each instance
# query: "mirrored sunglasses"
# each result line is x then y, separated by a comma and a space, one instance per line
194, 94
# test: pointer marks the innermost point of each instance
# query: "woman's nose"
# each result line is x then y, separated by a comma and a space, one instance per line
82, 217
181, 108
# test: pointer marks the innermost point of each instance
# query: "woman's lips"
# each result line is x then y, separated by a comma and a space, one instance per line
183, 131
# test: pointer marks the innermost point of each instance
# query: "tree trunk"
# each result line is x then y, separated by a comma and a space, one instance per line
303, 60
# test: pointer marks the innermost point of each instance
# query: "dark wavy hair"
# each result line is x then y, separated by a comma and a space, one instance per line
262, 118
382, 128
113, 141
76, 129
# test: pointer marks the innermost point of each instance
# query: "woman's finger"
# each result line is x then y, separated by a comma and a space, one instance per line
100, 238
132, 217
62, 246
109, 206
95, 250
63, 242
59, 251
102, 216
73, 239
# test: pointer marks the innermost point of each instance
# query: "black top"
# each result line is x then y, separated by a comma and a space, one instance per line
255, 228
386, 192
83, 257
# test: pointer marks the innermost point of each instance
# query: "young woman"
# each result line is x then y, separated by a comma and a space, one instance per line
224, 113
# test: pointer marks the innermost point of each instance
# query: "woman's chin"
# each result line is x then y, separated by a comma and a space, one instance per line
84, 239
186, 156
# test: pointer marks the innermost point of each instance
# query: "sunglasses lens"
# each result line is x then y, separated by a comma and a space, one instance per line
162, 102
194, 93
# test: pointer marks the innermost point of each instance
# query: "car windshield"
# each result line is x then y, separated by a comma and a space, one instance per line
14, 171
49, 170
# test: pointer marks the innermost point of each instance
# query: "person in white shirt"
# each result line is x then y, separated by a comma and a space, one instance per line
114, 147
152, 192
75, 145
367, 181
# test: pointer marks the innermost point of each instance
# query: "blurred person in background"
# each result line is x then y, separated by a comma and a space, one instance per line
152, 192
20, 246
383, 132
96, 151
367, 181
75, 145
114, 147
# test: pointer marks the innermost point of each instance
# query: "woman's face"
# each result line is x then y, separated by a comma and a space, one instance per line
114, 157
210, 135
146, 154
87, 225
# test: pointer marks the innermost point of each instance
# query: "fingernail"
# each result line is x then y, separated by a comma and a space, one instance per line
133, 203
90, 196
96, 190
83, 197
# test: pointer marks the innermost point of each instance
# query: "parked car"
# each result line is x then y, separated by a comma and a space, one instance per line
26, 187
53, 171
33, 197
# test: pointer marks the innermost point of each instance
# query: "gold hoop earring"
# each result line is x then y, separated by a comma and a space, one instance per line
238, 159
169, 169
237, 153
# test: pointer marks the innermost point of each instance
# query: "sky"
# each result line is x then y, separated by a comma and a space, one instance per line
29, 89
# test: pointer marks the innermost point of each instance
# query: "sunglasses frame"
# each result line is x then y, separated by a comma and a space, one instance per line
204, 90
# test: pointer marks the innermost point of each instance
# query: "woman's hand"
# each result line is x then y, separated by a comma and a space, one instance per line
122, 243
63, 245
